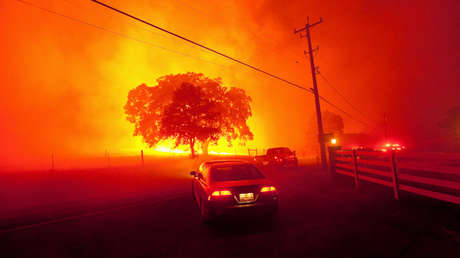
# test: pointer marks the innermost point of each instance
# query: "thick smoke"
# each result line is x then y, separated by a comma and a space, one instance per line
63, 83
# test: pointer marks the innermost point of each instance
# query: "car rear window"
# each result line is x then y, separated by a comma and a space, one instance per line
284, 151
235, 173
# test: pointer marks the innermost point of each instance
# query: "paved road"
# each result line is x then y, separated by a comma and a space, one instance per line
319, 216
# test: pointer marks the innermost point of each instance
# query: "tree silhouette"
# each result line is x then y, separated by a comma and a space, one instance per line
332, 122
189, 108
191, 117
451, 123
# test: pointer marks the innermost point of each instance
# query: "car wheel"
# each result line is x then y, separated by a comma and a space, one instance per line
193, 193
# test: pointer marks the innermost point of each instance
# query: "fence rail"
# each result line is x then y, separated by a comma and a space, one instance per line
422, 174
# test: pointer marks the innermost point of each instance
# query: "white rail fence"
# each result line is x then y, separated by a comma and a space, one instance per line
428, 174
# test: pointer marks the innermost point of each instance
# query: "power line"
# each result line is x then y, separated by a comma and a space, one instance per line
116, 33
202, 46
223, 55
184, 54
141, 28
137, 26
341, 95
343, 111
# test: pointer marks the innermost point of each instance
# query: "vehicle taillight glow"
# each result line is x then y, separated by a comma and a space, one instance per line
225, 192
221, 193
267, 189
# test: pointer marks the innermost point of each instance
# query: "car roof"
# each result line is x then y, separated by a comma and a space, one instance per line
279, 148
225, 162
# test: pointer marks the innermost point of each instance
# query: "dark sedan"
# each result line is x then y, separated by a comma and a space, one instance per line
233, 187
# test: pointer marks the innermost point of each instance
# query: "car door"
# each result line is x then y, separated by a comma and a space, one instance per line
197, 185
195, 188
203, 183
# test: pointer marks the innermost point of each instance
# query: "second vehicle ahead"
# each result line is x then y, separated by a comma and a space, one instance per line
282, 157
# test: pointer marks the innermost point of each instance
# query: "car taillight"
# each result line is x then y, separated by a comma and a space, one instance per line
267, 189
221, 193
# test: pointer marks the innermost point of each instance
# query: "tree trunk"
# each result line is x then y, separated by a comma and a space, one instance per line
192, 148
204, 147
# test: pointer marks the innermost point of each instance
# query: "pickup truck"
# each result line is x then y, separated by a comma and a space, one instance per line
281, 156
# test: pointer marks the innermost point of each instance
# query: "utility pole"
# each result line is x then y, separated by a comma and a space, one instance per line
142, 157
322, 143
385, 124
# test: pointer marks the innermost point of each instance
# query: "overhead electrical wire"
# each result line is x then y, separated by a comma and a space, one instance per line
117, 33
341, 110
341, 95
184, 54
224, 55
202, 46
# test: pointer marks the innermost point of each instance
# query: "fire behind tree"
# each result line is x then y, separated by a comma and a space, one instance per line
189, 108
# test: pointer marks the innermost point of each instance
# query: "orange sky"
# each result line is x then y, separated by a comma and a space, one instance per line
64, 84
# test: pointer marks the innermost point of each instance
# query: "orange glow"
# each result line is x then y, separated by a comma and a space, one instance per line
222, 153
63, 83
393, 146
168, 151
225, 192
333, 141
267, 189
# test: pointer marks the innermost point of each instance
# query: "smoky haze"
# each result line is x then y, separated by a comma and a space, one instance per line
64, 83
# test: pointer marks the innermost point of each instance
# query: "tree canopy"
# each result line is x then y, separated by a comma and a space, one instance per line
189, 108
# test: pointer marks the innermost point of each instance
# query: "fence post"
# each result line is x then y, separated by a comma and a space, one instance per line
107, 157
355, 168
394, 170
52, 161
142, 157
331, 160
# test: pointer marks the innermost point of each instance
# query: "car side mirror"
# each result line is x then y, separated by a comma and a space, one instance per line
193, 173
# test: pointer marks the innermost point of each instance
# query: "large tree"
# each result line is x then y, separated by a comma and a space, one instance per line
189, 108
